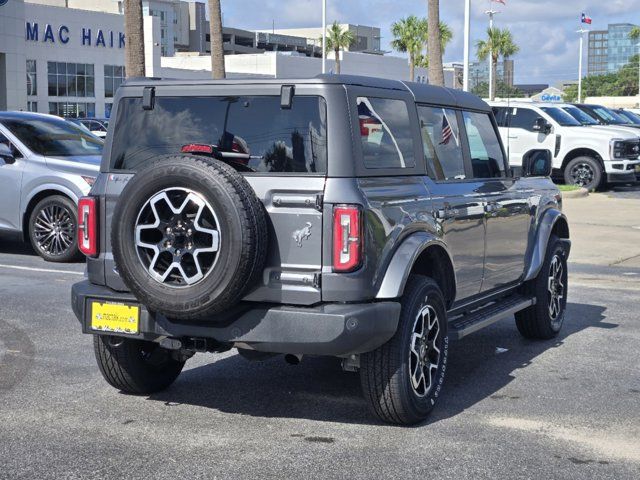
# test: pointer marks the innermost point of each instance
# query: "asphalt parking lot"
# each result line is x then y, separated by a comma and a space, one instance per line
511, 408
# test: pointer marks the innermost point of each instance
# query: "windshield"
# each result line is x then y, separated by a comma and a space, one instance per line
562, 117
583, 117
610, 116
632, 117
54, 137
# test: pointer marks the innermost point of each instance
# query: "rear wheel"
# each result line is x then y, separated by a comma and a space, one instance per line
403, 378
544, 319
135, 366
585, 172
52, 229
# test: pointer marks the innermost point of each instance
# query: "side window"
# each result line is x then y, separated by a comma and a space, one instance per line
385, 132
523, 118
441, 140
487, 160
501, 116
7, 142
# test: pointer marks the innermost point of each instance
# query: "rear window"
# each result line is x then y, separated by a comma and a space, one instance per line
276, 140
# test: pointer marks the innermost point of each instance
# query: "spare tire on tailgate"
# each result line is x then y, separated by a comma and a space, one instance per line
189, 236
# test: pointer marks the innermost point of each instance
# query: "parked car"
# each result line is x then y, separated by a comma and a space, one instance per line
97, 126
628, 115
46, 165
589, 156
367, 219
605, 115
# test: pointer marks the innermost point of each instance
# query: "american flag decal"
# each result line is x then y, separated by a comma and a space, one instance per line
447, 133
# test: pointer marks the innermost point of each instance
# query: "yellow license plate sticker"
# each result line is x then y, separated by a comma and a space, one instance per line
115, 317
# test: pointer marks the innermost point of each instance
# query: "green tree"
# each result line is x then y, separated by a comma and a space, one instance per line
499, 43
410, 36
624, 82
434, 44
503, 90
337, 40
634, 34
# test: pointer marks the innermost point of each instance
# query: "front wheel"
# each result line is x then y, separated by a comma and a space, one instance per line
402, 379
52, 229
544, 319
135, 366
585, 172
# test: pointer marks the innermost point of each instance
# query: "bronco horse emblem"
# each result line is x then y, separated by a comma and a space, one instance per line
302, 234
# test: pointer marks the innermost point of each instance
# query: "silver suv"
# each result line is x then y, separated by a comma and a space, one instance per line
366, 219
46, 165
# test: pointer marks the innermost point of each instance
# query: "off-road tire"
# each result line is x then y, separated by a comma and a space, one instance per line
536, 322
590, 164
62, 204
385, 373
135, 366
243, 236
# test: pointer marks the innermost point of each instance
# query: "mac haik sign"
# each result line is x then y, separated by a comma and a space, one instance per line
88, 37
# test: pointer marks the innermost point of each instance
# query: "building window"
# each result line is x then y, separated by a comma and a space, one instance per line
70, 79
32, 79
72, 109
113, 76
32, 106
107, 109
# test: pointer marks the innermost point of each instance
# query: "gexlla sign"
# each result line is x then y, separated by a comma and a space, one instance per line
46, 33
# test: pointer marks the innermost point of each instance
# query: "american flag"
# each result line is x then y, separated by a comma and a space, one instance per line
447, 133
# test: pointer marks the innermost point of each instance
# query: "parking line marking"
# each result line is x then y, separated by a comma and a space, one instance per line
42, 270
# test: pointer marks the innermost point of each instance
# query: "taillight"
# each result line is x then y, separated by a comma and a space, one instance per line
197, 148
88, 226
347, 238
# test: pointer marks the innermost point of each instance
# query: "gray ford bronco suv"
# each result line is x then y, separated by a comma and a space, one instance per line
366, 219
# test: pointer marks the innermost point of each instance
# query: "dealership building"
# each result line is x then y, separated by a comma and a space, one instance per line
66, 57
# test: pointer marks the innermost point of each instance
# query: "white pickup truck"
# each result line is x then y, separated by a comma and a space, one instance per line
586, 155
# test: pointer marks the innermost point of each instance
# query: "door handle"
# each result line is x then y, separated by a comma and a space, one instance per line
491, 207
446, 213
513, 137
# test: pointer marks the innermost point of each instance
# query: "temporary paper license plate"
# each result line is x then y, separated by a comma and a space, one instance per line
637, 168
115, 317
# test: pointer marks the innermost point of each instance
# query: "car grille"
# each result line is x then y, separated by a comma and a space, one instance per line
631, 150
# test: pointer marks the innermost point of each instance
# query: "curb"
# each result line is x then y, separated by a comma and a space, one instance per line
581, 193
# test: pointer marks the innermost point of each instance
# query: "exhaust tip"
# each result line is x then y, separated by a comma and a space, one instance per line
292, 359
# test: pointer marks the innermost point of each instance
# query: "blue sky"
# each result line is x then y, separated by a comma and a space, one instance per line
544, 29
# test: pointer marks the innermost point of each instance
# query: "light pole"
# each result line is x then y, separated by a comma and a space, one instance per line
467, 35
324, 36
638, 45
581, 32
491, 12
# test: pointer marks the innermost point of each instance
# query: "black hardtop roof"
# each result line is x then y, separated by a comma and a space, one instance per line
423, 93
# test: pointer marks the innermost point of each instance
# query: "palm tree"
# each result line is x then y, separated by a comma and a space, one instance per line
337, 40
134, 34
634, 34
446, 35
410, 35
434, 45
498, 43
217, 47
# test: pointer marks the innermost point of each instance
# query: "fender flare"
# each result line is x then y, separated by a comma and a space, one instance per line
397, 273
545, 226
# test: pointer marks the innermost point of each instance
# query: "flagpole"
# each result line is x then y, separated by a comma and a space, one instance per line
581, 32
491, 12
467, 35
324, 36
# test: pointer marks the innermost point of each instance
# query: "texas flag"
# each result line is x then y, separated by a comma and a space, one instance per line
586, 19
503, 2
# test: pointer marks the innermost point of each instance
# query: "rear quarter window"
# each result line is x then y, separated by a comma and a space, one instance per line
277, 140
385, 133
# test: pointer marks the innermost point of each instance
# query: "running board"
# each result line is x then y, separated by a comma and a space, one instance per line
472, 322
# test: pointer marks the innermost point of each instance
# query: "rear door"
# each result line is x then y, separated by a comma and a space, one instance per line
286, 165
459, 206
522, 137
507, 209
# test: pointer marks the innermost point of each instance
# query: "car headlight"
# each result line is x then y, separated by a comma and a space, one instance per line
90, 180
617, 149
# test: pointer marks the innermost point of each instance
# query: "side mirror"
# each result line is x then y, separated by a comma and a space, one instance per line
6, 154
537, 163
541, 125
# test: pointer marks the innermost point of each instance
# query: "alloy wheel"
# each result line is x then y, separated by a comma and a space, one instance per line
177, 237
556, 289
424, 354
54, 229
582, 174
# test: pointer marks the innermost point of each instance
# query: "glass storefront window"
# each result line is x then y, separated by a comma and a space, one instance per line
32, 78
70, 79
73, 109
114, 75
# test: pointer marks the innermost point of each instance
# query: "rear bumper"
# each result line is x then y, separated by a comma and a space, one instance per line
328, 329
